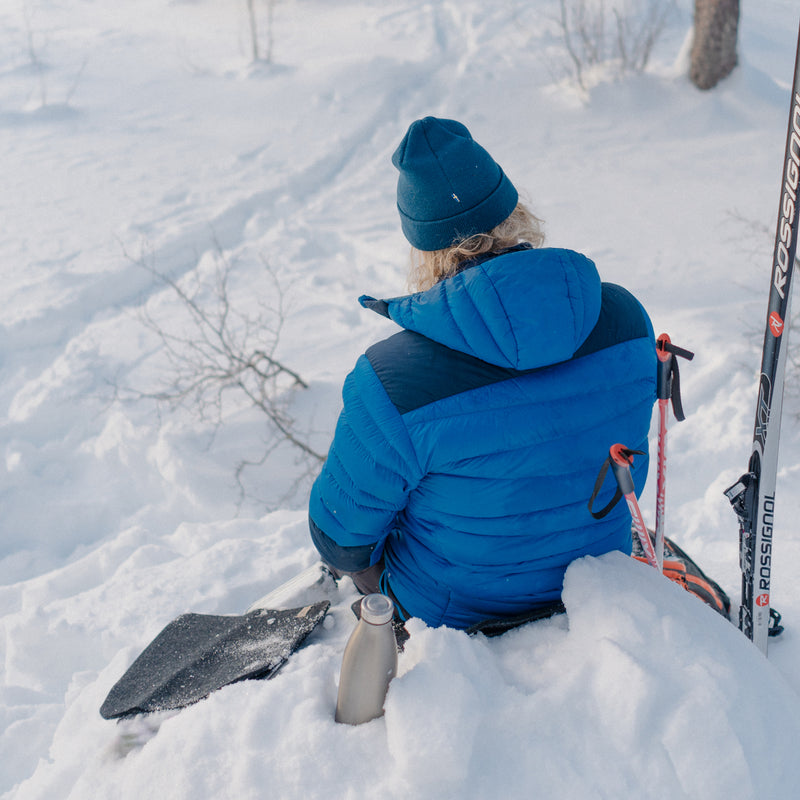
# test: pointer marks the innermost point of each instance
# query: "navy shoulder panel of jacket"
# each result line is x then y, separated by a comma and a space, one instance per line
415, 370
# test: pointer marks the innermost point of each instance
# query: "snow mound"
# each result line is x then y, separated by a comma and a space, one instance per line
638, 691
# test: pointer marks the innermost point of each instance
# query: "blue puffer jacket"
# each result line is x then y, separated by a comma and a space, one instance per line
469, 442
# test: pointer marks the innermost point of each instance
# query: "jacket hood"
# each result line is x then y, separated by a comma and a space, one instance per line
523, 309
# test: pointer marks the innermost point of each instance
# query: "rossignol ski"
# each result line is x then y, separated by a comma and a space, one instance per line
753, 495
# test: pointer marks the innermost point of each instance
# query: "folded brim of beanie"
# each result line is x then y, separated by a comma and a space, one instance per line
439, 234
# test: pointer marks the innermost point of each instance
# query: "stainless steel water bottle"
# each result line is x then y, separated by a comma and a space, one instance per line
369, 663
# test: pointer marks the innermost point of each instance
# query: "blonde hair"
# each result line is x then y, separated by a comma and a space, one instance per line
428, 267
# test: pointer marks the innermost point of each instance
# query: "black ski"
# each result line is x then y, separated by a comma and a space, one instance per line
753, 496
196, 654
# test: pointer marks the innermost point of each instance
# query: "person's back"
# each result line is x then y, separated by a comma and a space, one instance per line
469, 442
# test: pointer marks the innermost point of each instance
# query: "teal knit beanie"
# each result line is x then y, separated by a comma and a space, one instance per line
449, 186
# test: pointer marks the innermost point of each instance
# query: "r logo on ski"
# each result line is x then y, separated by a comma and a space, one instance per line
775, 324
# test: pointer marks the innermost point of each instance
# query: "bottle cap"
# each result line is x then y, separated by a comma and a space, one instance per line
376, 609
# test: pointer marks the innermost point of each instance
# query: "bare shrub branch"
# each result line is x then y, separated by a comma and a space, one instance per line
566, 31
255, 37
221, 359
625, 36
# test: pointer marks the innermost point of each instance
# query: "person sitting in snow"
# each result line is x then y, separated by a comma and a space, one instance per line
469, 442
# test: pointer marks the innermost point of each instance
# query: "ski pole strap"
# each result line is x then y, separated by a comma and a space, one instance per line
669, 379
619, 456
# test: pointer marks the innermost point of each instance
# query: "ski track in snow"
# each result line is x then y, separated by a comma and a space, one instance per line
143, 134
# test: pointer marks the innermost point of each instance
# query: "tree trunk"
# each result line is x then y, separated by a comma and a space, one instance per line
716, 23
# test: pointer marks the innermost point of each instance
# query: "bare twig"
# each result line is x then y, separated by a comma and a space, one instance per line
566, 29
626, 37
215, 351
255, 48
33, 55
251, 14
75, 82
270, 29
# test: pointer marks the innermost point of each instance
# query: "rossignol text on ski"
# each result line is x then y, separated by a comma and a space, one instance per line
753, 495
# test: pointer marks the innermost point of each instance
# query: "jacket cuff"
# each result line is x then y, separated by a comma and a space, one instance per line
344, 559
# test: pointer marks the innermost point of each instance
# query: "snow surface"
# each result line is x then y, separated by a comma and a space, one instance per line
135, 133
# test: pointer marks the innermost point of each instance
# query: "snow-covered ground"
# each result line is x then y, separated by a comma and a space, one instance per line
139, 137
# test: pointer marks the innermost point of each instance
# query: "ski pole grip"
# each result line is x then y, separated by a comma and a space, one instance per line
665, 347
668, 384
664, 381
621, 460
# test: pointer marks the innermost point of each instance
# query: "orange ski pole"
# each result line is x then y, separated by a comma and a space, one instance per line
668, 388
